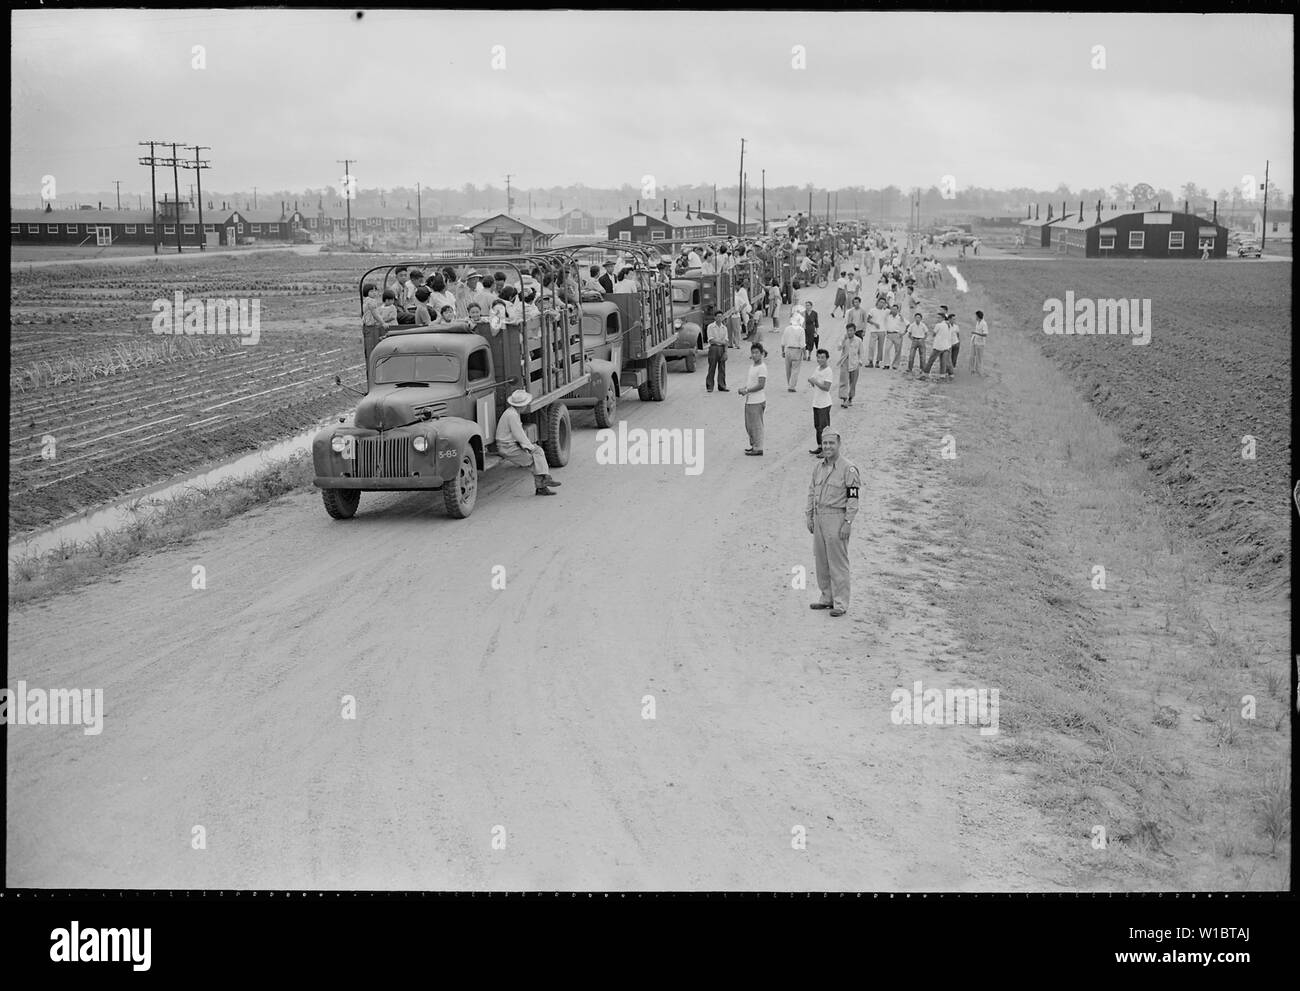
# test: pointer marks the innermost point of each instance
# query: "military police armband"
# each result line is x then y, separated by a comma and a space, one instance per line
851, 491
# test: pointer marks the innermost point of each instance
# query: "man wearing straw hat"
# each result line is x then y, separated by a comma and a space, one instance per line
514, 446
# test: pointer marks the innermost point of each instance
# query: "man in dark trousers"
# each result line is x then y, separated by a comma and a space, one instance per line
717, 337
810, 335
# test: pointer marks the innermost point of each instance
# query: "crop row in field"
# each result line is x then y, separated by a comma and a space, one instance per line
1206, 404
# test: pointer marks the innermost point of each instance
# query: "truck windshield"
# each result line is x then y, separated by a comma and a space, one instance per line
681, 294
417, 368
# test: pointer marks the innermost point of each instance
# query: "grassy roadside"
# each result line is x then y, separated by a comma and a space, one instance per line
1154, 708
171, 522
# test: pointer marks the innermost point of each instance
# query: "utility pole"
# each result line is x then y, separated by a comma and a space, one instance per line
1263, 226
254, 197
509, 199
741, 204
828, 206
198, 167
744, 185
347, 188
118, 184
419, 214
176, 180
764, 231
153, 162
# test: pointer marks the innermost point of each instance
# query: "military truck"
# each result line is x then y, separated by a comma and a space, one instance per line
428, 418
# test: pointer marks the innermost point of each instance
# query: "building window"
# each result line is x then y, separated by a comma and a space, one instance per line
189, 228
209, 228
1205, 244
1106, 243
148, 228
33, 228
72, 228
257, 229
1137, 240
311, 222
518, 240
239, 229
1275, 227
130, 228
625, 235
1176, 240
51, 228
169, 228
657, 234
720, 229
15, 228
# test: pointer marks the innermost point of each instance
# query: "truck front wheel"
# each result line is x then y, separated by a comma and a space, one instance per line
459, 493
607, 408
658, 378
341, 504
556, 444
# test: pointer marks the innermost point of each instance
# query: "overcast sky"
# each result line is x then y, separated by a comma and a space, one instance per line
1000, 100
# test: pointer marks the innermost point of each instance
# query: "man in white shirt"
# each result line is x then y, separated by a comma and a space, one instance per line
850, 364
895, 328
979, 337
917, 332
821, 380
754, 391
792, 345
942, 348
743, 317
718, 338
874, 323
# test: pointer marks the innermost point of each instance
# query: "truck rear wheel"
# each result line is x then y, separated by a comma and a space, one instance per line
607, 408
556, 444
658, 378
460, 493
341, 504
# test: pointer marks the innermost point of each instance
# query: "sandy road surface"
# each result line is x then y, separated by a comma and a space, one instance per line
522, 708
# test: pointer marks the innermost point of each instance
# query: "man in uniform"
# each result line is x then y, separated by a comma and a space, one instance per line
832, 505
514, 446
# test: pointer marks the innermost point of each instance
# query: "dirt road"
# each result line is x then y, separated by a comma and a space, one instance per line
522, 708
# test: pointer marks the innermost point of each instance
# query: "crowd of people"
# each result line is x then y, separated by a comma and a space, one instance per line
875, 337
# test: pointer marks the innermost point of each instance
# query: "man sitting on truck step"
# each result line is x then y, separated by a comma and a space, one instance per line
514, 446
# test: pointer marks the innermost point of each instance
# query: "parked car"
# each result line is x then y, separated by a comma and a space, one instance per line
1249, 249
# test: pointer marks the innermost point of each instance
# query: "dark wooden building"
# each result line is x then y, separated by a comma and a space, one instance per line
504, 234
1130, 233
669, 225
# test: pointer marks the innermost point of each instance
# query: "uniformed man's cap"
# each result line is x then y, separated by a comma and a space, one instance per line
830, 433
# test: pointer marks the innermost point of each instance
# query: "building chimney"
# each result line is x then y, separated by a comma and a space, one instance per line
665, 208
1216, 211
1036, 211
1186, 206
101, 204
1080, 217
1157, 206
1049, 213
1099, 211
629, 209
638, 206
1062, 209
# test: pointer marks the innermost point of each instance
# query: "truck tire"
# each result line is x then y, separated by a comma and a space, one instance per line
341, 504
690, 362
556, 444
607, 409
643, 392
460, 493
658, 378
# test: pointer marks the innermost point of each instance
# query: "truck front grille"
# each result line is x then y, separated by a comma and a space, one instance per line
383, 457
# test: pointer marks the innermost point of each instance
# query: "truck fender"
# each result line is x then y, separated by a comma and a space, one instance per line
452, 436
602, 373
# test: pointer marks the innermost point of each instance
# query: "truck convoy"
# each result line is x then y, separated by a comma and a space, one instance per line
428, 418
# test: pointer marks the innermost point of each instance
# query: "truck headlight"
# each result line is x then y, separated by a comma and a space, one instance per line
420, 443
677, 324
336, 444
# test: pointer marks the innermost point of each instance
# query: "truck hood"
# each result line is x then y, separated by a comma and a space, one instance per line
387, 406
